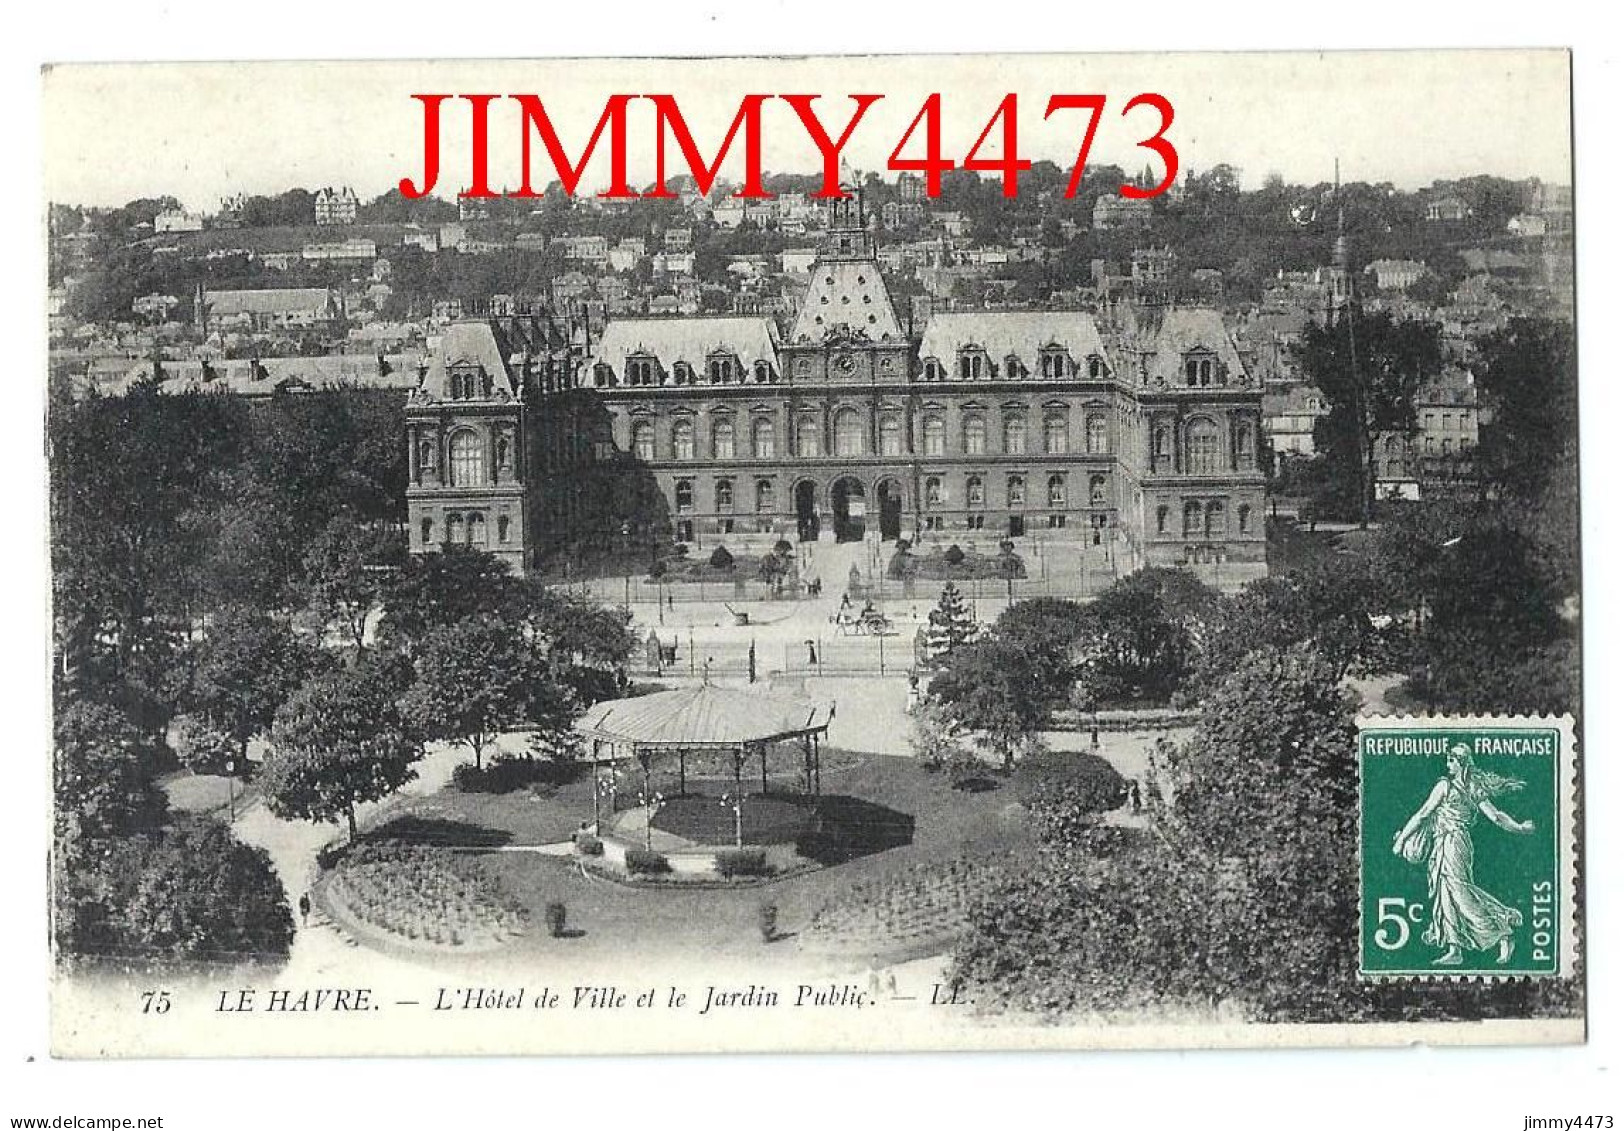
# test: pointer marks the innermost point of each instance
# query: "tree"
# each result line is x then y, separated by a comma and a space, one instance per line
1048, 628
201, 746
1528, 453
475, 679
949, 625
436, 590
934, 735
1370, 368
992, 686
130, 478
1244, 893
339, 741
248, 665
103, 776
1144, 634
344, 567
205, 894
1329, 603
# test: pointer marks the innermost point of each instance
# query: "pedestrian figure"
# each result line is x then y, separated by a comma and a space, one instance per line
845, 602
1134, 797
304, 910
811, 653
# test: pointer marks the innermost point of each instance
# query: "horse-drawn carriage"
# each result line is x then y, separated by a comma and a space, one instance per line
869, 621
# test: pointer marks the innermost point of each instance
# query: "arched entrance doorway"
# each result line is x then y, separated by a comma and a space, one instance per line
806, 511
889, 493
851, 509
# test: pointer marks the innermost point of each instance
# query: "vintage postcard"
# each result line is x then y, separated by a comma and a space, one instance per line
799, 554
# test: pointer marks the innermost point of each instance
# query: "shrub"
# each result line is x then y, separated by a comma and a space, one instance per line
782, 547
645, 862
507, 772
731, 862
468, 779
954, 555
588, 845
721, 559
555, 914
201, 746
767, 921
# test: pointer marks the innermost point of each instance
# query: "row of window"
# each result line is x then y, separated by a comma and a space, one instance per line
974, 364
1447, 421
465, 530
1205, 519
466, 450
851, 437
975, 491
1203, 447
645, 370
935, 493
719, 369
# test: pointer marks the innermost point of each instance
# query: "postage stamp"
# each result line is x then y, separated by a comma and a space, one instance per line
1465, 846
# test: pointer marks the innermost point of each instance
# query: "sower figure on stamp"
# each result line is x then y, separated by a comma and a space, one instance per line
1464, 916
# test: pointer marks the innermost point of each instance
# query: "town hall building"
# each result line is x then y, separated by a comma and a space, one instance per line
1137, 431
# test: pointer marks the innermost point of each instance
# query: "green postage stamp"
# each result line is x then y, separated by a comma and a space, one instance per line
1466, 846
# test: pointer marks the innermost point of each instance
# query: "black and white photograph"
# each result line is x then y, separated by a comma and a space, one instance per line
847, 553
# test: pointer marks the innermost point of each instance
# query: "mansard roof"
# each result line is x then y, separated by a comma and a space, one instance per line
471, 342
693, 340
846, 295
1186, 330
1002, 333
270, 300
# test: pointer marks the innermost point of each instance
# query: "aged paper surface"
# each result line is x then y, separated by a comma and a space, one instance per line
931, 614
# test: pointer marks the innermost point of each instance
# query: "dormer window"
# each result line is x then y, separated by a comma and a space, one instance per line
1012, 367
642, 370
933, 369
603, 375
973, 364
682, 373
1096, 366
723, 368
1056, 363
763, 373
1202, 370
466, 385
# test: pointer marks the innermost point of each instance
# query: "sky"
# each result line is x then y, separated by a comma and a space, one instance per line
200, 131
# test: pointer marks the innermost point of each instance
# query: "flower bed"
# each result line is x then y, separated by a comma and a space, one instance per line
918, 910
955, 563
1147, 718
424, 896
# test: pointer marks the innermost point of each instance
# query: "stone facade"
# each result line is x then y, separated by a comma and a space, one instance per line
1141, 435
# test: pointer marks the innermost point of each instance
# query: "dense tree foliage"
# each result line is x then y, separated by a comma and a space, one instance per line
1144, 634
339, 741
1370, 367
475, 679
166, 508
1246, 894
203, 894
128, 884
247, 665
992, 687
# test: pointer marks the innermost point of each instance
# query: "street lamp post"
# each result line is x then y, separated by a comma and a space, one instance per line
735, 802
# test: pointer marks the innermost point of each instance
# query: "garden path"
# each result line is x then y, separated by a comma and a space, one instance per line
320, 950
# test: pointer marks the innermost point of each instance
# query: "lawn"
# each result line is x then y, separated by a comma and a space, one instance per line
707, 820
914, 821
